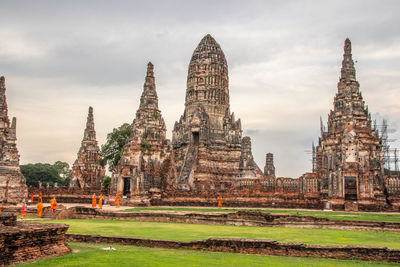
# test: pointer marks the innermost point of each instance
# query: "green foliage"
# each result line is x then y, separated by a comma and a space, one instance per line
87, 254
145, 146
112, 149
63, 171
43, 172
190, 232
106, 181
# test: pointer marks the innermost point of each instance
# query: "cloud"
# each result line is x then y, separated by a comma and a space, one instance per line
284, 61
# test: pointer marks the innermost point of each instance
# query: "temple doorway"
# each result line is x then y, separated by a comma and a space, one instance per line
350, 188
127, 186
196, 138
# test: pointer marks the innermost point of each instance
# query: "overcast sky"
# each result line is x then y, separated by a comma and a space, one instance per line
284, 60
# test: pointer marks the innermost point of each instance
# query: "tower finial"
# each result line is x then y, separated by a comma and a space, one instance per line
348, 72
89, 130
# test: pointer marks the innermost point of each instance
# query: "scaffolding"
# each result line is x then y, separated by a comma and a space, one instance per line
389, 156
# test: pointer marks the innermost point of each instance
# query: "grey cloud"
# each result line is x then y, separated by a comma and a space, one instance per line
284, 62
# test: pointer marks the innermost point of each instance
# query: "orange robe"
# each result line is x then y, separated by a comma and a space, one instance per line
53, 204
94, 201
32, 198
23, 210
40, 209
220, 202
101, 202
40, 198
116, 202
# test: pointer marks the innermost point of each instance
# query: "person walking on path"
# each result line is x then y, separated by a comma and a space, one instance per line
53, 204
94, 201
24, 210
40, 209
101, 201
116, 201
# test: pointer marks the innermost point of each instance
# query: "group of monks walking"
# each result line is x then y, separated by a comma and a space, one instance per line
102, 201
24, 208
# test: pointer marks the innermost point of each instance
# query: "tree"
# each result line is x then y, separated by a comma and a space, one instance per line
112, 149
63, 171
42, 172
106, 182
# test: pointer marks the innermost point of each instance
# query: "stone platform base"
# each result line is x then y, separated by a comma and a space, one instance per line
246, 218
23, 242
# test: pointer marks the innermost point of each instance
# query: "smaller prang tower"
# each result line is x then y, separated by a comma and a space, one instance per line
13, 187
269, 169
138, 174
87, 171
349, 153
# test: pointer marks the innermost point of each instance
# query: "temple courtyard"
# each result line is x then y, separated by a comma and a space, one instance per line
84, 237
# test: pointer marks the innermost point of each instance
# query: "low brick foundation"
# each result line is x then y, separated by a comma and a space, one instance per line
247, 218
250, 246
23, 242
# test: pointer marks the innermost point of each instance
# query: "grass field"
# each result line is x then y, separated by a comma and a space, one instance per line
94, 255
189, 232
332, 215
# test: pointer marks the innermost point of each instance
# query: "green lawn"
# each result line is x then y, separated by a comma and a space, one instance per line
93, 255
189, 232
332, 215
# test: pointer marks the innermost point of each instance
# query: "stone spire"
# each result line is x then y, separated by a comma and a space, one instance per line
348, 72
3, 101
90, 133
207, 82
269, 169
149, 97
86, 170
12, 183
349, 149
139, 170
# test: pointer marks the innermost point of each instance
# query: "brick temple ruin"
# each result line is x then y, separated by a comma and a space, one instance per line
208, 157
13, 187
87, 172
139, 171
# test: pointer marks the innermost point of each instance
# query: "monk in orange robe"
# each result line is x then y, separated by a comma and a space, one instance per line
40, 197
219, 201
116, 202
101, 199
94, 201
24, 210
40, 209
32, 196
53, 204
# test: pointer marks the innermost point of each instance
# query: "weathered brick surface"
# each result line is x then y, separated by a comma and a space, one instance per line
250, 246
12, 183
22, 242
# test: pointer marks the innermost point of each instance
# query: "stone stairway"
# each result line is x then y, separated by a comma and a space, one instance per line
190, 157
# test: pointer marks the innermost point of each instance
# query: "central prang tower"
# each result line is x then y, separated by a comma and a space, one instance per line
207, 140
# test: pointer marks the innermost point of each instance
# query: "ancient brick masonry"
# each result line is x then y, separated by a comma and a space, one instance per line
269, 169
207, 140
22, 242
139, 171
349, 154
13, 187
86, 170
